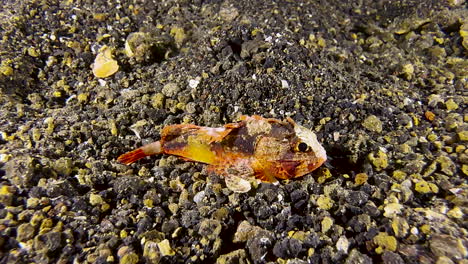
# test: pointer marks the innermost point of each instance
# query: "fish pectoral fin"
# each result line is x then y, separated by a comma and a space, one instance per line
266, 177
238, 177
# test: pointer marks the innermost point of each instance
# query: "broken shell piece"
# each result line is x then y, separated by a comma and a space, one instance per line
104, 65
237, 184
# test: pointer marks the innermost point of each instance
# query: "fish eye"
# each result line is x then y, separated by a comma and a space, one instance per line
302, 147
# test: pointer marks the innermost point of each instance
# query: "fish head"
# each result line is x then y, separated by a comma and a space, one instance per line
289, 150
307, 152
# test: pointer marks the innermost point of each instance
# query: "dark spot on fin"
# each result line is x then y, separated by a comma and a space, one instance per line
172, 146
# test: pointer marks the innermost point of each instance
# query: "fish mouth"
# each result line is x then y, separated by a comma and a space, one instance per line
314, 165
297, 168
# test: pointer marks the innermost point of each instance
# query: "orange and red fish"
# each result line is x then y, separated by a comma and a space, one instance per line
253, 148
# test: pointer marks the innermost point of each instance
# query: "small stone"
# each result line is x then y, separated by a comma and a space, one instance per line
151, 252
464, 27
245, 231
104, 65
323, 174
324, 202
445, 260
429, 115
451, 105
180, 106
138, 45
372, 123
465, 169
46, 225
430, 169
228, 13
327, 223
404, 148
260, 245
287, 248
453, 121
82, 97
210, 228
113, 127
165, 248
37, 218
361, 178
130, 258
221, 214
392, 209
6, 70
193, 83
456, 212
357, 198
425, 187
48, 242
299, 235
437, 52
25, 232
170, 89
425, 229
6, 195
235, 257
157, 100
434, 99
389, 257
356, 257
449, 246
447, 166
32, 202
342, 244
95, 199
385, 242
380, 161
399, 175
63, 166
400, 227
463, 135
179, 35
407, 70
173, 207
191, 107
33, 52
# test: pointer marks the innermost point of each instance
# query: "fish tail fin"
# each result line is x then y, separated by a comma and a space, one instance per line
139, 153
132, 156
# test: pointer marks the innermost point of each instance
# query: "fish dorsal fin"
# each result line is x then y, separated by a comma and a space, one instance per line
217, 134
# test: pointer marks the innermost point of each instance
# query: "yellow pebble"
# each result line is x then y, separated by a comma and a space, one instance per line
426, 187
104, 65
456, 212
385, 242
327, 223
324, 202
361, 178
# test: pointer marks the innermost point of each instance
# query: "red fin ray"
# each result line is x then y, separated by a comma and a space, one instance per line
139, 153
132, 156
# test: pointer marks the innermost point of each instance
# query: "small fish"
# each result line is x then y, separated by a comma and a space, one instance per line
260, 148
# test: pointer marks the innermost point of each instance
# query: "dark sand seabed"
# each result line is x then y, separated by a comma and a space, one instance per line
382, 83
